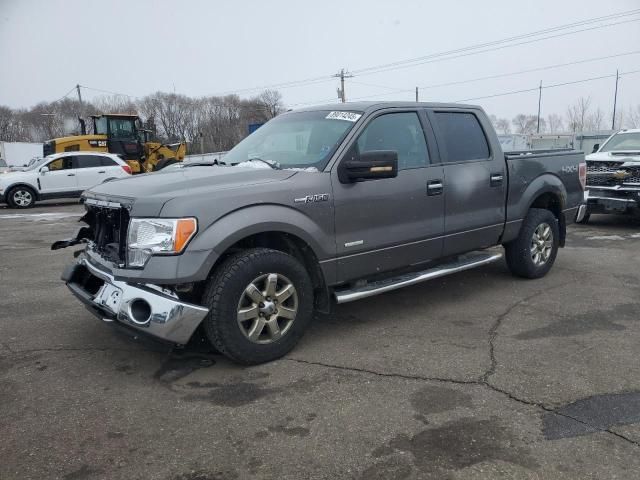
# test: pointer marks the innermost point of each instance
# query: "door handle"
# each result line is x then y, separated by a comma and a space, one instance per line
101, 171
71, 174
496, 179
435, 187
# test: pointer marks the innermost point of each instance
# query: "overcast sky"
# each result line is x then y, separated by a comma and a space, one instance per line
210, 47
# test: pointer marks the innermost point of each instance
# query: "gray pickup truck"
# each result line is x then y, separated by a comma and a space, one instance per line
322, 205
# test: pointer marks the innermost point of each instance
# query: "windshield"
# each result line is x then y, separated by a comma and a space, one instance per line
100, 125
37, 163
295, 140
121, 127
622, 141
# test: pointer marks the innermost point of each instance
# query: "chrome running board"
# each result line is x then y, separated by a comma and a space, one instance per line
462, 263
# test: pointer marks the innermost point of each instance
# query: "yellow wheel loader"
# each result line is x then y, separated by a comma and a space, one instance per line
122, 135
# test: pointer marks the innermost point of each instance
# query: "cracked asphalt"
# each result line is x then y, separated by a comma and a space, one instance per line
473, 376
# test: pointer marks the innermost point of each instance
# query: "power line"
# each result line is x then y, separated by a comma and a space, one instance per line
468, 49
584, 80
512, 92
107, 91
65, 95
488, 77
472, 52
511, 39
499, 75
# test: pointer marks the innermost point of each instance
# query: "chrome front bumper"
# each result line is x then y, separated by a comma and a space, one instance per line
146, 308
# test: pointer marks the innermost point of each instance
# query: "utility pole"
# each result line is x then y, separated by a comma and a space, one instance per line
416, 94
342, 75
539, 105
615, 100
80, 111
79, 95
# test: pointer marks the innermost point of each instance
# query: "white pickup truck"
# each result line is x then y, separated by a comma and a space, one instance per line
613, 175
63, 175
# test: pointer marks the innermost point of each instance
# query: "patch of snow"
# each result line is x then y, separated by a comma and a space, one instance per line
306, 169
606, 237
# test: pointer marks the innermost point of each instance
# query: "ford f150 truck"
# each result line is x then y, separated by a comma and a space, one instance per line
321, 205
613, 175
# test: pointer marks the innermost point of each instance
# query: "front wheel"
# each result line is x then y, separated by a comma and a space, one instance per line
533, 253
21, 197
260, 304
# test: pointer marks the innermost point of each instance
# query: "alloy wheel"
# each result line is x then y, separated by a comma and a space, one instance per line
541, 244
22, 198
267, 308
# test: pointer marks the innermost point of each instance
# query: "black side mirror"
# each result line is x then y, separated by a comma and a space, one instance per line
595, 148
369, 166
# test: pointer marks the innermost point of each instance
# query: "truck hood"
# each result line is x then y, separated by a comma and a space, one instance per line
147, 193
618, 156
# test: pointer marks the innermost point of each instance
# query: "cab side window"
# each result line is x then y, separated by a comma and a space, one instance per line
64, 163
455, 126
400, 132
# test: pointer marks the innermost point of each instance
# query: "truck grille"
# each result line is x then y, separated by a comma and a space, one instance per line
109, 225
611, 174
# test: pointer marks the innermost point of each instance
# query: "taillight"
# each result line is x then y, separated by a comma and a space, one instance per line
127, 169
582, 173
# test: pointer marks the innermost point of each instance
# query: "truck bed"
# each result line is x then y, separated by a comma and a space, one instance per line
528, 170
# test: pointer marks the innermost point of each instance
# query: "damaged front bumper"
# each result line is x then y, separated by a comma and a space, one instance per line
616, 199
146, 308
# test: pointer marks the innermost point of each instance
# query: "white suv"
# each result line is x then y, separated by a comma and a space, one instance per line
62, 175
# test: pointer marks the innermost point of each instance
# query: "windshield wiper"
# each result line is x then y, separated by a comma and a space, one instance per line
202, 164
271, 163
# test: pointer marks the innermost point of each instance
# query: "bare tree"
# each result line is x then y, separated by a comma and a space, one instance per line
554, 123
595, 120
500, 124
525, 124
271, 103
503, 126
631, 118
577, 114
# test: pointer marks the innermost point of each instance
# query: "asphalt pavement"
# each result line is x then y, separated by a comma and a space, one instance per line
474, 376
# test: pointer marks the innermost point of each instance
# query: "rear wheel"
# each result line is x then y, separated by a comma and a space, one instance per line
260, 304
21, 197
533, 253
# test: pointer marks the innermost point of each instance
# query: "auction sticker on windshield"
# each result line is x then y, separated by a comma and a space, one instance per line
348, 116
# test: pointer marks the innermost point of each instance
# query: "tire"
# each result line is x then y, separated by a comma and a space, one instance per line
522, 260
255, 339
21, 197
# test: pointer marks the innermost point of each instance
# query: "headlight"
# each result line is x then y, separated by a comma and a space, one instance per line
157, 236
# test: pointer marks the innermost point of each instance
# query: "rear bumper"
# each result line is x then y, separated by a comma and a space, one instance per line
145, 308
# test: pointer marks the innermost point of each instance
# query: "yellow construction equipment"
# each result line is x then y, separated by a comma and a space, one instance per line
123, 135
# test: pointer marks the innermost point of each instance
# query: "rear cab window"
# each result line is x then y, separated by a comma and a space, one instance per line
461, 137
